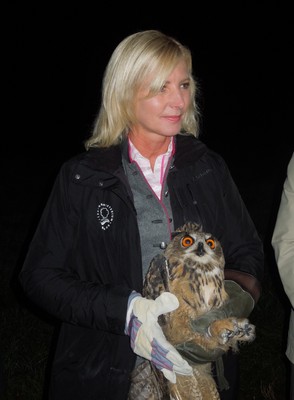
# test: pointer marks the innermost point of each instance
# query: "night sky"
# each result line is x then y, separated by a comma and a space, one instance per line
55, 56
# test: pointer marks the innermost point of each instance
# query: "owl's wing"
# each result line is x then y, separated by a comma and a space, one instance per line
157, 277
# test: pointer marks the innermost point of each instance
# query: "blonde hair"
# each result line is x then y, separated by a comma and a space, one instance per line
138, 57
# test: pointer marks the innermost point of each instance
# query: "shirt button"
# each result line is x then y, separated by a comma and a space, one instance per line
77, 176
166, 193
163, 245
100, 183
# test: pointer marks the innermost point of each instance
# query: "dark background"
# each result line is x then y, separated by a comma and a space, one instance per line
53, 58
242, 58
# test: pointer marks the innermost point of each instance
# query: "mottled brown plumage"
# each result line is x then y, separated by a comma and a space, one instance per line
192, 268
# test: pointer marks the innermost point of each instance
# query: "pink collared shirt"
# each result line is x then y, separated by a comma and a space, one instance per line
154, 178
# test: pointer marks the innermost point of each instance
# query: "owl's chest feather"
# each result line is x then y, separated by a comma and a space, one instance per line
199, 291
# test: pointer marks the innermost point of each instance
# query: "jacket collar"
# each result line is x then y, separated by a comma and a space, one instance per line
188, 150
103, 159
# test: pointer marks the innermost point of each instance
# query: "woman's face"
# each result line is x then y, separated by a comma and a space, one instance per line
162, 113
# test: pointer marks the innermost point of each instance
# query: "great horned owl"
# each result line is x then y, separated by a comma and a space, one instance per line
192, 268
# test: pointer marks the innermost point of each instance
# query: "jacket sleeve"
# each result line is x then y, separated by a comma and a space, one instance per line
203, 190
242, 245
283, 235
47, 276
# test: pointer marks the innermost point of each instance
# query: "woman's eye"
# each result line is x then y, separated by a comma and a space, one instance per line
187, 241
186, 85
211, 243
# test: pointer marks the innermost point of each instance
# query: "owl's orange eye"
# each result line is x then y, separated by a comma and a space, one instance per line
211, 243
187, 241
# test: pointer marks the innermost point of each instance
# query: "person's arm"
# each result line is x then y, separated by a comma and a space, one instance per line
283, 235
51, 282
243, 248
246, 281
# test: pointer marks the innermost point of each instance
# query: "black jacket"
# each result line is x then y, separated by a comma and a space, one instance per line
85, 258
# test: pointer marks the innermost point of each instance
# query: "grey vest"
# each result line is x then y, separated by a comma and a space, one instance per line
154, 216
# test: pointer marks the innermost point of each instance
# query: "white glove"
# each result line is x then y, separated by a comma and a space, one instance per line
147, 338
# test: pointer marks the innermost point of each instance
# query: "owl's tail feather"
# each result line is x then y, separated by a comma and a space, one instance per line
148, 383
200, 386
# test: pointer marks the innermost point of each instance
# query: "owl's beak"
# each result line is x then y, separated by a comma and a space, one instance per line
200, 250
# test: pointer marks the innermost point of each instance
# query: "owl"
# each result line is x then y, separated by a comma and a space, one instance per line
192, 268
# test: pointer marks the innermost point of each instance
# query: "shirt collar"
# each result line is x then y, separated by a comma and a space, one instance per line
135, 155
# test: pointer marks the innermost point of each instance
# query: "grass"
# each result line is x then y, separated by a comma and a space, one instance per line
25, 354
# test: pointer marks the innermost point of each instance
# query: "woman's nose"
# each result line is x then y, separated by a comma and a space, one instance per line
177, 100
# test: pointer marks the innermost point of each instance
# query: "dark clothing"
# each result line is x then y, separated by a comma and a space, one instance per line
85, 257
291, 378
232, 375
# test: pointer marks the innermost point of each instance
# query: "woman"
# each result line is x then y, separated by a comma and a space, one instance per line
114, 207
